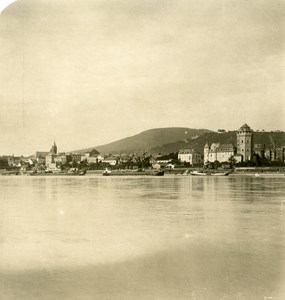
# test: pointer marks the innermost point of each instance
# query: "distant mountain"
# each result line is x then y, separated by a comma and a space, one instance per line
270, 139
149, 139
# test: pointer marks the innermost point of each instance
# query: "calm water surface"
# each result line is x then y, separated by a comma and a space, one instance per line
142, 237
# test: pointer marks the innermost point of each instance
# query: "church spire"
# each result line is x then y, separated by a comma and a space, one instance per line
54, 148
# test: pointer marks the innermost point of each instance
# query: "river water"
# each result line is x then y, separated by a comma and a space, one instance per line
171, 237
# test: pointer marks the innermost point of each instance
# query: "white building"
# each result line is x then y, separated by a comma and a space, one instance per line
189, 155
111, 160
52, 167
92, 159
163, 161
219, 152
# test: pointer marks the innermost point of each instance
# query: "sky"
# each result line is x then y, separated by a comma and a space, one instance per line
88, 72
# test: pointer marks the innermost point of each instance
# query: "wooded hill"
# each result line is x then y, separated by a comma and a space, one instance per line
167, 140
270, 139
149, 139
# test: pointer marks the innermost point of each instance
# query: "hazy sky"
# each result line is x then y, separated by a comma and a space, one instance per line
93, 71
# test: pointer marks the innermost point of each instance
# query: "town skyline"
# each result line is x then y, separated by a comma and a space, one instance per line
93, 147
242, 147
93, 73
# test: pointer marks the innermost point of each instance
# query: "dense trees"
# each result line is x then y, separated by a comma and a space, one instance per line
3, 163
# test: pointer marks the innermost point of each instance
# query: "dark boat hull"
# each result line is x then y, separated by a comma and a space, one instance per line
159, 173
133, 173
220, 174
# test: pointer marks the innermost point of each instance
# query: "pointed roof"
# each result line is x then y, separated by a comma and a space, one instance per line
245, 127
214, 146
207, 145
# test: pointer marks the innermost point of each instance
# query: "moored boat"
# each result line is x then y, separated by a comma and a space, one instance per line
197, 173
107, 172
220, 174
159, 173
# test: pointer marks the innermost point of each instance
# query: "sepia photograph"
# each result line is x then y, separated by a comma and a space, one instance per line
142, 149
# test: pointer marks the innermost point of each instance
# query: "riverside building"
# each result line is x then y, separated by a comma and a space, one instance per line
189, 155
245, 142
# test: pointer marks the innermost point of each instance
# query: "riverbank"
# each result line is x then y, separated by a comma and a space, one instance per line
269, 171
263, 170
29, 173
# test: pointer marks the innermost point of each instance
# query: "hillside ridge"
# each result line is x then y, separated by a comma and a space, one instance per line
148, 139
172, 139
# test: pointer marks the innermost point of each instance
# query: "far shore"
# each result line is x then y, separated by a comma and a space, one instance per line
177, 171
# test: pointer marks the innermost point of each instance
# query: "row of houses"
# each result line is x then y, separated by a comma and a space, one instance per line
18, 161
52, 159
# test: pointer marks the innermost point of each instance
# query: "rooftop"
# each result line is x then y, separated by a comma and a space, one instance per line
186, 151
245, 127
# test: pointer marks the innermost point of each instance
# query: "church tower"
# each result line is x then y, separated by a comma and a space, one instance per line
53, 149
206, 153
245, 142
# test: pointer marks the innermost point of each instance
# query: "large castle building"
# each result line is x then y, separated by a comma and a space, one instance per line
243, 152
218, 152
245, 142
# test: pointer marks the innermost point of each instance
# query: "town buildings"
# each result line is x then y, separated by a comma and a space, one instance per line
50, 158
245, 151
218, 152
190, 156
111, 160
280, 153
257, 147
224, 152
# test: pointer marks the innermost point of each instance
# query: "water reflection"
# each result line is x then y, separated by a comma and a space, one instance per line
159, 238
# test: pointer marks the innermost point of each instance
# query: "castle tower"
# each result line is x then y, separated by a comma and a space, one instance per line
206, 153
245, 142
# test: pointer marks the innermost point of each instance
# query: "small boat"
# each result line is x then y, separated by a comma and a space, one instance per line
256, 175
197, 173
82, 173
159, 173
107, 172
220, 174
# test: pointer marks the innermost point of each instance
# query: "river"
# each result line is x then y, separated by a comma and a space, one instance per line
171, 237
